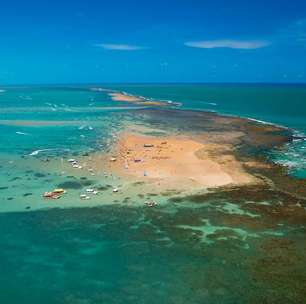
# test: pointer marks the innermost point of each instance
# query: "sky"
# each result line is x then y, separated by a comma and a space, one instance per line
152, 41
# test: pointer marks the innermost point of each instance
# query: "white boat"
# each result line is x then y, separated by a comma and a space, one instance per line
84, 197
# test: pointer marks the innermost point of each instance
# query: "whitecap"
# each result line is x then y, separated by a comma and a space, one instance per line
85, 127
100, 90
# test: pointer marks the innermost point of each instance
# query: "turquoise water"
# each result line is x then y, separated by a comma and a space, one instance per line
60, 118
197, 251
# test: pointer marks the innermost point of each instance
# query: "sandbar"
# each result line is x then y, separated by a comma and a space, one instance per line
177, 161
134, 99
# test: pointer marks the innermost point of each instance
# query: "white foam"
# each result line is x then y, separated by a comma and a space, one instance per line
36, 152
100, 90
264, 122
22, 133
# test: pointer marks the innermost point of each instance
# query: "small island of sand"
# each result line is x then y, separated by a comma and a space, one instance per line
177, 162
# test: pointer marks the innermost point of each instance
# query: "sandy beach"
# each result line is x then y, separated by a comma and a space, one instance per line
176, 162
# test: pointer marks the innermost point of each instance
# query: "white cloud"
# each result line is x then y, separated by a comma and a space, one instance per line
232, 44
119, 47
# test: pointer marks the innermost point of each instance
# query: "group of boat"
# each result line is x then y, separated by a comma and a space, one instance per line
150, 203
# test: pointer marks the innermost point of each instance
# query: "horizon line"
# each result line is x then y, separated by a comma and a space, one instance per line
155, 83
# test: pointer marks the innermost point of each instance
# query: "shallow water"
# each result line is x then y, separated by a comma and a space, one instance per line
241, 247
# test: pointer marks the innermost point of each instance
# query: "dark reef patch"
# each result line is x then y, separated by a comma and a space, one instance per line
170, 192
15, 178
138, 183
70, 185
28, 194
103, 187
126, 199
152, 194
39, 175
87, 182
76, 184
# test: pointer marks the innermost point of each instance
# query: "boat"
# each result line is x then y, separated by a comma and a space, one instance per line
150, 203
48, 194
51, 195
59, 191
84, 197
